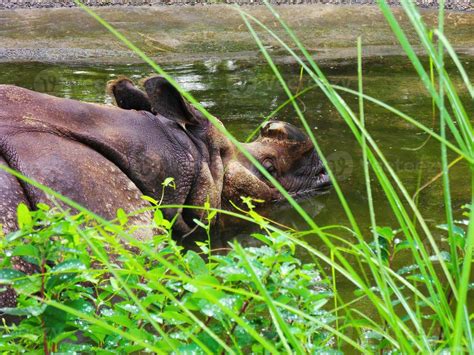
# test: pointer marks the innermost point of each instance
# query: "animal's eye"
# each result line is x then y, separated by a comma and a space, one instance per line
269, 166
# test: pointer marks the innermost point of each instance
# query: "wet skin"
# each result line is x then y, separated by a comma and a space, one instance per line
107, 157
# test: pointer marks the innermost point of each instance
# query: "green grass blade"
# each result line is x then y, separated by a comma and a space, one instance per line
392, 173
278, 109
351, 120
408, 49
463, 321
456, 61
282, 327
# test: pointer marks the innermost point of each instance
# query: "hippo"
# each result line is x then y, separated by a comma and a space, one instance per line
107, 157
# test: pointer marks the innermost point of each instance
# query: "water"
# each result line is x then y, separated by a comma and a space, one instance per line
241, 93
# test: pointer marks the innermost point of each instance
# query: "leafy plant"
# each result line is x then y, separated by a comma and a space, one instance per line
67, 294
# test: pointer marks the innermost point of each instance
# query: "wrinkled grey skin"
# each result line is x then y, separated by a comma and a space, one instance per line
107, 157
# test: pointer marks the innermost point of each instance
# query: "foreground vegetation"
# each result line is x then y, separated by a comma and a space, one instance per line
162, 298
159, 298
97, 288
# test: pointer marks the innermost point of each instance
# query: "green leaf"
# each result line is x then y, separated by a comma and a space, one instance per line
33, 311
122, 320
211, 215
169, 182
14, 235
458, 231
54, 321
459, 235
173, 317
8, 276
97, 333
122, 217
200, 224
208, 279
150, 199
158, 217
63, 276
407, 269
82, 306
206, 292
43, 207
71, 336
420, 278
443, 255
189, 349
20, 281
23, 216
385, 232
402, 246
160, 221
26, 250
196, 263
28, 286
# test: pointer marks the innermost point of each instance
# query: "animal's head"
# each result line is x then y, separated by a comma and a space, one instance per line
283, 150
288, 154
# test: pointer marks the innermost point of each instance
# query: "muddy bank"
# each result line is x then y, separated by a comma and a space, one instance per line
169, 34
459, 5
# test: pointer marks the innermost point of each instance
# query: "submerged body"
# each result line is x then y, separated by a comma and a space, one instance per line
107, 157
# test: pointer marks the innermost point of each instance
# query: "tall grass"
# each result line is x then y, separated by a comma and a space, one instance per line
422, 307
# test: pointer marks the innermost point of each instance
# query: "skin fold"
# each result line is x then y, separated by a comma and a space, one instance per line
107, 157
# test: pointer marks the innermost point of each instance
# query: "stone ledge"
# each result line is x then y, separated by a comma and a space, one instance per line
458, 5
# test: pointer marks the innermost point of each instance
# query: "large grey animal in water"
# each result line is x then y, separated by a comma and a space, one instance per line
107, 157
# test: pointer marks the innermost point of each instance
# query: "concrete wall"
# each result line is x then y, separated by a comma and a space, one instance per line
462, 5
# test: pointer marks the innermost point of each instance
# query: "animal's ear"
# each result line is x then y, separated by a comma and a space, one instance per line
168, 102
127, 96
283, 131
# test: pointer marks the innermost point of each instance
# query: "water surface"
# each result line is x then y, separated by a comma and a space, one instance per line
242, 93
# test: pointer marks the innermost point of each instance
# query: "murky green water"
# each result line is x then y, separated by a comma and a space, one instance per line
242, 93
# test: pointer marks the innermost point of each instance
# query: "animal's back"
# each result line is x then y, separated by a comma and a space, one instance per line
11, 189
39, 137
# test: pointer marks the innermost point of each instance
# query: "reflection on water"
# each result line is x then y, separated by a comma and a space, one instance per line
242, 93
